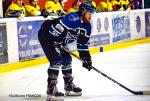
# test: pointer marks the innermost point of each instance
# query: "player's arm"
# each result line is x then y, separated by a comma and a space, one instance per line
83, 49
67, 24
32, 11
84, 53
11, 12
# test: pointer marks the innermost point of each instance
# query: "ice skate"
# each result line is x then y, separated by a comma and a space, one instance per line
54, 98
52, 92
70, 88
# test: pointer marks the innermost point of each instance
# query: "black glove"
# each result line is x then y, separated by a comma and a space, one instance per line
44, 13
60, 13
88, 65
125, 7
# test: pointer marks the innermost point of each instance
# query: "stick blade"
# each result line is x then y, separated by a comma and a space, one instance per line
146, 92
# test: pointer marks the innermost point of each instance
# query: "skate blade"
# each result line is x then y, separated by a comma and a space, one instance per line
70, 93
54, 98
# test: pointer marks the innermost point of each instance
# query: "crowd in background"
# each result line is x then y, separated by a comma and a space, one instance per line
17, 8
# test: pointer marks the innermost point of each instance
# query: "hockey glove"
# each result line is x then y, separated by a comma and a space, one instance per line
60, 13
44, 13
87, 65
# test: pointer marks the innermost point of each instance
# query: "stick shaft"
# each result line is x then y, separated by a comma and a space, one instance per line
114, 81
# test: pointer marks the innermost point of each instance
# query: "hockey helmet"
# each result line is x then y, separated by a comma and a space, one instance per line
86, 7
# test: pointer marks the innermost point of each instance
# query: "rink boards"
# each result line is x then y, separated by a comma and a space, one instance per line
20, 48
93, 50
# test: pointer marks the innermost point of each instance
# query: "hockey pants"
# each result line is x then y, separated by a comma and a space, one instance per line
56, 56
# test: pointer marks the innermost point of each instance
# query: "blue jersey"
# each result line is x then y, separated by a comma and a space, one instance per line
69, 29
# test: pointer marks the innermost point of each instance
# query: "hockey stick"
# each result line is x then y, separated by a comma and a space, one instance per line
114, 81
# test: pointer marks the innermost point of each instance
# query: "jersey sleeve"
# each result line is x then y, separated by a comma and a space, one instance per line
82, 42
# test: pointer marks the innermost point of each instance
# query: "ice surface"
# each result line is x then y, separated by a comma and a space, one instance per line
130, 66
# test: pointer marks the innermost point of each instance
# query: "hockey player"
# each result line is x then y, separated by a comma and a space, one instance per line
62, 31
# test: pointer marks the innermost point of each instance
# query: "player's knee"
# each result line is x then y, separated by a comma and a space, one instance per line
53, 70
67, 68
55, 65
66, 62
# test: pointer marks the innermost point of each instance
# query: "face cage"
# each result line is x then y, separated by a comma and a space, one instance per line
88, 11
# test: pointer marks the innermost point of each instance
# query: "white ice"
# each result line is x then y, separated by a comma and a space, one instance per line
130, 66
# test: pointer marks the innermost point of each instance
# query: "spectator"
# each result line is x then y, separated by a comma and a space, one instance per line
124, 4
115, 5
5, 3
135, 4
104, 6
138, 4
33, 9
54, 7
132, 5
109, 5
16, 9
62, 2
75, 7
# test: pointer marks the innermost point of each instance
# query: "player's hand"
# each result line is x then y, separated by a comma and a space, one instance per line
87, 65
21, 17
44, 13
60, 13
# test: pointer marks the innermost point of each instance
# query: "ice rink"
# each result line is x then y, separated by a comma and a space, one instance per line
130, 66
